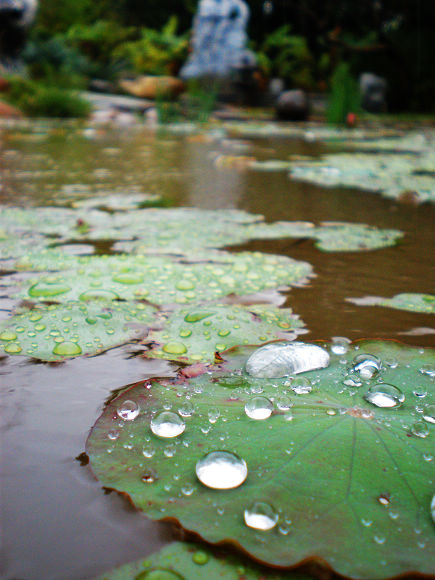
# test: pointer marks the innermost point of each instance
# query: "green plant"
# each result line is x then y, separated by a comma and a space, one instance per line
344, 97
158, 52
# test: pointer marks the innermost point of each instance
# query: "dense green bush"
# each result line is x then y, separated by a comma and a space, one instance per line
42, 100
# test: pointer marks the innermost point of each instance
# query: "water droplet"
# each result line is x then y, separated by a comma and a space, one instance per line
365, 522
174, 348
47, 289
284, 403
186, 409
13, 348
187, 489
148, 451
352, 380
420, 429
366, 365
128, 410
149, 476
260, 516
67, 348
340, 345
384, 499
221, 470
113, 434
384, 395
200, 557
301, 386
280, 359
128, 278
213, 414
259, 408
167, 424
185, 285
420, 393
331, 412
428, 369
379, 539
429, 413
184, 332
169, 451
8, 335
197, 316
98, 295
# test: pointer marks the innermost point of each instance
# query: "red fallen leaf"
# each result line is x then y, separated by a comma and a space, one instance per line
193, 370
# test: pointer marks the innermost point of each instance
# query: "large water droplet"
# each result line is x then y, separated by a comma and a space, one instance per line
429, 413
340, 345
420, 429
221, 470
261, 516
428, 369
128, 410
259, 408
174, 348
366, 365
128, 278
186, 409
384, 395
8, 335
167, 424
13, 348
47, 289
197, 316
98, 295
301, 386
280, 359
67, 348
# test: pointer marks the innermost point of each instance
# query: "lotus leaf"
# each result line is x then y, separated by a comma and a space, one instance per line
162, 280
183, 561
121, 202
407, 301
343, 472
392, 175
195, 334
53, 332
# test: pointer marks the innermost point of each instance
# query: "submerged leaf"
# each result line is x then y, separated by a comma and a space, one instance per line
195, 334
185, 561
334, 471
58, 332
406, 301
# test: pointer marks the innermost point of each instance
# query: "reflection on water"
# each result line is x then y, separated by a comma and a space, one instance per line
60, 524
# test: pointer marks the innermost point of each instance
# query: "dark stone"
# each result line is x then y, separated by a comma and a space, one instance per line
292, 106
373, 93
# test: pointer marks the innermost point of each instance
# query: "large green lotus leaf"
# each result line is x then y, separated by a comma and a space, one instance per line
331, 475
118, 202
197, 333
185, 561
406, 301
162, 280
392, 175
73, 329
331, 236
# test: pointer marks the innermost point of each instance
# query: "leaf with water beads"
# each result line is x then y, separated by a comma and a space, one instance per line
196, 334
407, 301
164, 280
342, 469
185, 561
59, 332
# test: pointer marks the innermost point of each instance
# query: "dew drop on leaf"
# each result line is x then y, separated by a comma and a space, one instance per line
259, 408
67, 348
200, 557
13, 348
428, 369
260, 516
301, 386
128, 410
98, 295
384, 395
366, 365
281, 359
175, 348
149, 476
221, 470
186, 409
167, 425
429, 413
420, 429
8, 335
340, 345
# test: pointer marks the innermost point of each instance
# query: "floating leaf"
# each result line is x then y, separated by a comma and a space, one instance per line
345, 470
195, 334
76, 328
120, 202
406, 301
162, 280
184, 561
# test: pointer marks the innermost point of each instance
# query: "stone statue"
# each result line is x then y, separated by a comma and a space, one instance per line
16, 16
219, 40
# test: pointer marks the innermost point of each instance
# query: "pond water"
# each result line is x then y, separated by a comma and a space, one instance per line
58, 524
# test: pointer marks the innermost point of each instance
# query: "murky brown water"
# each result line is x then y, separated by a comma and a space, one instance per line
57, 522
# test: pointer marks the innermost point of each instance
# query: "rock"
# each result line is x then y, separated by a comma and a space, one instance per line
373, 93
148, 87
292, 106
9, 112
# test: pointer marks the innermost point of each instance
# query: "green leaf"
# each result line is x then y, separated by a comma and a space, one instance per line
185, 561
162, 280
53, 333
118, 202
196, 334
406, 301
343, 479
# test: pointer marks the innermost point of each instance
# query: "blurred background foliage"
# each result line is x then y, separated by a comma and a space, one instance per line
302, 43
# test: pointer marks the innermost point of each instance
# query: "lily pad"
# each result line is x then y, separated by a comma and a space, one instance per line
53, 333
196, 334
185, 561
339, 468
392, 175
120, 202
406, 301
162, 280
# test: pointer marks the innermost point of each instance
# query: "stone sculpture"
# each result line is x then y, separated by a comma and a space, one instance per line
16, 16
219, 40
